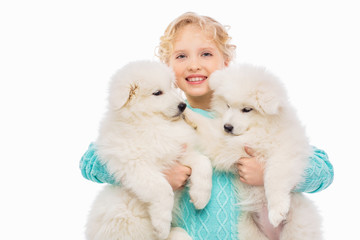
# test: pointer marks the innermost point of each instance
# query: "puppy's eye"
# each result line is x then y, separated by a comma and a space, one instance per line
157, 93
228, 106
246, 109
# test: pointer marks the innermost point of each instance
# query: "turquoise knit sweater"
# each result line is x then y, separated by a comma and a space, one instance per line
217, 221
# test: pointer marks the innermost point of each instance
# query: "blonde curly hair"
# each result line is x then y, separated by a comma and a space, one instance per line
218, 32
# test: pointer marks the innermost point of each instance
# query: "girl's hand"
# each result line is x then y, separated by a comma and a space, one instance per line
177, 176
250, 170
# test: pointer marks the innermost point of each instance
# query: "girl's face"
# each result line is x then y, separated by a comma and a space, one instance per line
195, 56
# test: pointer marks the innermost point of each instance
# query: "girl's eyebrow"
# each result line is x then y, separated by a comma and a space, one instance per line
178, 51
207, 48
200, 49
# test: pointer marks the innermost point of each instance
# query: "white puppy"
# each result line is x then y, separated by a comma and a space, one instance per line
143, 133
253, 110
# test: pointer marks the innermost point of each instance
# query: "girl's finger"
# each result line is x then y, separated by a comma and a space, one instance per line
249, 151
187, 170
242, 179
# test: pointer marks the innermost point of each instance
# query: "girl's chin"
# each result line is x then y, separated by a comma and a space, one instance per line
198, 92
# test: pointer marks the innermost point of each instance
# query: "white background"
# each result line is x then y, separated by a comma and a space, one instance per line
56, 59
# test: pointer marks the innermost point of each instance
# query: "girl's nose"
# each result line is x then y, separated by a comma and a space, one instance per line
194, 65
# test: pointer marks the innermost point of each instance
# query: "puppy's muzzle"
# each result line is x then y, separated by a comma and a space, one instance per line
228, 128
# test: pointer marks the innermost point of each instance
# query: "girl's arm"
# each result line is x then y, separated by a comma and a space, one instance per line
318, 175
94, 170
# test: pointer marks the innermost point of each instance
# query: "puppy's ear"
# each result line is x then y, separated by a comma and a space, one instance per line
270, 93
268, 103
133, 89
216, 79
271, 96
121, 96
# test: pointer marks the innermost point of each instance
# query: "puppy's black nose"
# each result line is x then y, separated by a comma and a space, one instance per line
182, 106
228, 128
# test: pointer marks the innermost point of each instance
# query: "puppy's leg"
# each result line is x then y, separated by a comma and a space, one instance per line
303, 221
206, 129
150, 186
247, 228
118, 215
178, 234
282, 173
200, 179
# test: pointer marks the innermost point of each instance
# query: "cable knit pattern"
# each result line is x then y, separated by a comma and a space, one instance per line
318, 175
218, 219
93, 169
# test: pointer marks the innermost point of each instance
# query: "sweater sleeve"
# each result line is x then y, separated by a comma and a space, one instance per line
318, 175
93, 169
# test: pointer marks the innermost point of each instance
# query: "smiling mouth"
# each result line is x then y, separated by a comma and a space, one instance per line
195, 79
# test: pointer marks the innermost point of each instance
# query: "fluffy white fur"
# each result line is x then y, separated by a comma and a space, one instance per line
141, 135
253, 110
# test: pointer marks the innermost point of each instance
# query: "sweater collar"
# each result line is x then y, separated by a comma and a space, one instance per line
202, 112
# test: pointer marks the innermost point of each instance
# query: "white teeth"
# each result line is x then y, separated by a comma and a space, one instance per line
195, 79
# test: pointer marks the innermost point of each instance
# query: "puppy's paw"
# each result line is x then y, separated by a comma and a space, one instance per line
161, 216
161, 228
178, 234
200, 196
278, 212
201, 183
276, 218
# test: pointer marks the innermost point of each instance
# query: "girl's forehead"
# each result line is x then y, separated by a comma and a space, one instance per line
192, 31
192, 35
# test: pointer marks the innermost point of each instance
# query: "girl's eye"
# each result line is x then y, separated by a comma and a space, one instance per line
246, 109
207, 54
180, 56
157, 93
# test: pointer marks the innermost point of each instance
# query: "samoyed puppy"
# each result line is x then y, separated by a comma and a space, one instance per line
252, 109
142, 134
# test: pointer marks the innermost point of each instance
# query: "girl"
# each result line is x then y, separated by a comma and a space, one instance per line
196, 46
